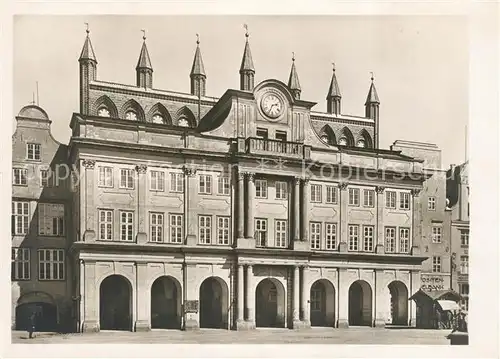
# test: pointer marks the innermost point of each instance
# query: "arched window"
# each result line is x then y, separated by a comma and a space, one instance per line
361, 143
183, 122
131, 115
343, 141
103, 112
325, 138
158, 118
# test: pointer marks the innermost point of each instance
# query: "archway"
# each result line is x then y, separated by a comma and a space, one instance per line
360, 303
270, 304
166, 303
213, 303
42, 305
322, 300
115, 304
399, 303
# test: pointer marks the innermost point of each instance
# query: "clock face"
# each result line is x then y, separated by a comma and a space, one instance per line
272, 106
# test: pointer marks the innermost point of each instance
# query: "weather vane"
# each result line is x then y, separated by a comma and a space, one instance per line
293, 56
143, 34
197, 38
333, 64
87, 27
371, 74
246, 29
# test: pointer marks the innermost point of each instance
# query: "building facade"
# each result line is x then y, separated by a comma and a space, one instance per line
248, 210
457, 188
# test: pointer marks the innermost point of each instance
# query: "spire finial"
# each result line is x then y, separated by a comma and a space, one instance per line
197, 39
33, 102
333, 65
143, 34
293, 56
372, 75
87, 27
246, 31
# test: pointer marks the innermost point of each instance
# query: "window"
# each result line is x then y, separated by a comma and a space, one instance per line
315, 193
105, 224
176, 182
404, 200
431, 203
156, 224
390, 239
176, 228
157, 118
390, 199
353, 237
343, 141
223, 230
47, 178
353, 196
19, 176
126, 178
368, 198
361, 143
20, 217
260, 188
262, 133
464, 292
281, 190
34, 151
205, 224
50, 264
436, 233
50, 219
331, 194
127, 226
316, 298
368, 238
281, 233
404, 240
103, 112
280, 136
331, 236
436, 264
261, 232
157, 181
183, 122
223, 185
464, 264
205, 184
105, 177
20, 264
464, 238
315, 235
131, 115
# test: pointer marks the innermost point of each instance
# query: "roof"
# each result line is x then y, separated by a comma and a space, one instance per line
334, 90
246, 61
88, 50
198, 68
144, 61
372, 95
437, 294
33, 112
293, 80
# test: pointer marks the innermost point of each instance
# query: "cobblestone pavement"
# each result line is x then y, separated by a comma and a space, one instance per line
259, 336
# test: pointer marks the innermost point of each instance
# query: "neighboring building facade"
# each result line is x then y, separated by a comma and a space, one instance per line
248, 210
41, 226
457, 191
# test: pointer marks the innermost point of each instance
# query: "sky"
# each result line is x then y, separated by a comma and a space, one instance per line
420, 64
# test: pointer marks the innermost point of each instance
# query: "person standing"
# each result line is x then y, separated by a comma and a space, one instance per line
31, 325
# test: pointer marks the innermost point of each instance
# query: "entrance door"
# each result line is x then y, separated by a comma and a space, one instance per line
269, 303
164, 304
318, 305
211, 313
360, 303
115, 304
45, 316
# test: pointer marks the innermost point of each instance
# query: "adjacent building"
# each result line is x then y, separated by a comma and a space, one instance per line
248, 210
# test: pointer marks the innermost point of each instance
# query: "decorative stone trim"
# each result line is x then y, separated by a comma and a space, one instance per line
141, 168
90, 164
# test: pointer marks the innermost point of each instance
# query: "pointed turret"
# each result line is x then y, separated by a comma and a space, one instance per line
197, 75
144, 69
333, 97
88, 72
247, 71
293, 81
371, 109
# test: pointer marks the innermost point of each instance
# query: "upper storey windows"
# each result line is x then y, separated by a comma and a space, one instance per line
131, 115
103, 112
361, 143
183, 122
345, 137
158, 118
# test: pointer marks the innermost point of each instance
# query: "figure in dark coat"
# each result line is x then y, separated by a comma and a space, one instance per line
31, 324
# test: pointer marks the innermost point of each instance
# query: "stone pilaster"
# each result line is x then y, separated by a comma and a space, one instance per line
241, 206
296, 209
240, 321
190, 199
250, 298
142, 190
81, 294
90, 208
250, 205
191, 320
306, 294
344, 201
297, 324
379, 248
382, 300
343, 299
416, 222
91, 299
415, 284
142, 322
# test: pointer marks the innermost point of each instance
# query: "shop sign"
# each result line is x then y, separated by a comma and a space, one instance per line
433, 282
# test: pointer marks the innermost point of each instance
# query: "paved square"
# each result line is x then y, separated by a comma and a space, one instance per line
259, 336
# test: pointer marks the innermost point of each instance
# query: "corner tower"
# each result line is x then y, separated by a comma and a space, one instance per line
88, 72
333, 97
371, 110
144, 70
247, 70
197, 75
